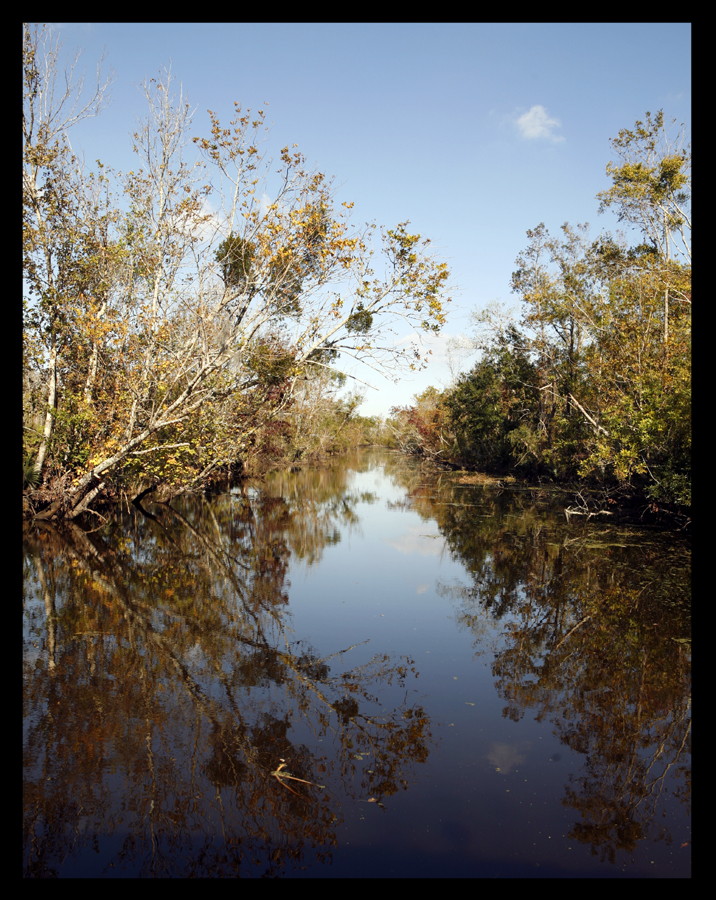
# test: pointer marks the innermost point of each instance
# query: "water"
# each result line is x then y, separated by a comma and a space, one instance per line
367, 669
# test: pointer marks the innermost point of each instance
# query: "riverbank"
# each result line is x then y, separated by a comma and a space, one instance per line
580, 501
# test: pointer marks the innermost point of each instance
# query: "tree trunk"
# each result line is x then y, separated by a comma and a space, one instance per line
51, 409
94, 358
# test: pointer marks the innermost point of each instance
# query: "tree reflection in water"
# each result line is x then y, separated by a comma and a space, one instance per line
167, 698
171, 690
595, 635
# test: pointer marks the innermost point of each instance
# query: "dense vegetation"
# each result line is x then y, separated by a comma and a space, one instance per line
179, 324
182, 319
591, 381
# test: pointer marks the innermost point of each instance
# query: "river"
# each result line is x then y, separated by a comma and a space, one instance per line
368, 668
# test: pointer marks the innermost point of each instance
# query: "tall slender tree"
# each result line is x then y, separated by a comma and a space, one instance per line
651, 189
55, 235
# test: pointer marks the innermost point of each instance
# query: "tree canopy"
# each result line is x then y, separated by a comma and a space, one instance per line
173, 312
591, 380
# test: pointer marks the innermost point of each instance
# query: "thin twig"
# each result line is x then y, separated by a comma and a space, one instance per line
573, 630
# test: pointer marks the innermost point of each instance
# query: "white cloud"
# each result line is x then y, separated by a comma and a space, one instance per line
505, 757
264, 204
536, 124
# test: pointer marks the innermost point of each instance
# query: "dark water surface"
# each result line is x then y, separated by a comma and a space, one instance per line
458, 682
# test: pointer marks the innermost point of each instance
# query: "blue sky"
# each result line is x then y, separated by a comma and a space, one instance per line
474, 132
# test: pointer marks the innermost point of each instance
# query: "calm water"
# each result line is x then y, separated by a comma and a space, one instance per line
457, 682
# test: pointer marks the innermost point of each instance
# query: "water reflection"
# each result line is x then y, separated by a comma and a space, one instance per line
177, 724
595, 637
166, 691
506, 757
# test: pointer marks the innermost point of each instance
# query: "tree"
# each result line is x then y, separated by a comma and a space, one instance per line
423, 429
640, 386
59, 243
321, 421
493, 409
651, 184
592, 380
217, 315
557, 289
651, 188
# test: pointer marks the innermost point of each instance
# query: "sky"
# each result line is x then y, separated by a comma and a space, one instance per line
473, 132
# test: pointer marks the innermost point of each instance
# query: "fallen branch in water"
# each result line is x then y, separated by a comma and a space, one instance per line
280, 776
583, 509
571, 511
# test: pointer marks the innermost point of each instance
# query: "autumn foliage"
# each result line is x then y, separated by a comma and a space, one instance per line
591, 379
175, 314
